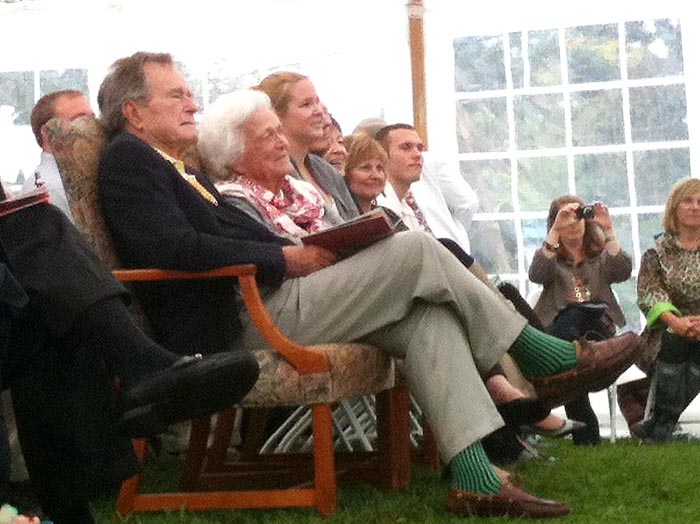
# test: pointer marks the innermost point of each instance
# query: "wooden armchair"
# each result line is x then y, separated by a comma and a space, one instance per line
291, 374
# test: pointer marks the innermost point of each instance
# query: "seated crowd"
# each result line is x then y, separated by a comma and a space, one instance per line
417, 295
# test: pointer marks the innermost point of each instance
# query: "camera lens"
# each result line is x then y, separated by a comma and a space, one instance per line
587, 211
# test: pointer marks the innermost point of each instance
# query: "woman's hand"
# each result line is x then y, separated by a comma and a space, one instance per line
566, 216
694, 331
686, 327
304, 260
602, 218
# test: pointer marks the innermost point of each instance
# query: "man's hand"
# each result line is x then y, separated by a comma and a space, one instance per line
304, 260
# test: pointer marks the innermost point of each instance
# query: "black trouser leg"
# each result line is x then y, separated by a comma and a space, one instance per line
672, 380
669, 400
108, 328
580, 409
570, 325
692, 384
80, 514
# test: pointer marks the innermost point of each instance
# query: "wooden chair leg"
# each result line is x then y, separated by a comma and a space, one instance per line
431, 455
196, 454
324, 460
130, 487
254, 433
394, 436
221, 441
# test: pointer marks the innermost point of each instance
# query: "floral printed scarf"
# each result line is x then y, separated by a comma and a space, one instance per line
295, 211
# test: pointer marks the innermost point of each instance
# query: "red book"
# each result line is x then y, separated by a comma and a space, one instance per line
25, 199
352, 236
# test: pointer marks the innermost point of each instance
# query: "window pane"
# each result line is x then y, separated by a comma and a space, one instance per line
602, 178
482, 125
516, 58
593, 53
658, 113
596, 118
650, 225
479, 63
491, 181
223, 77
627, 298
654, 48
194, 80
534, 233
494, 245
541, 180
57, 80
655, 173
545, 67
539, 121
17, 91
623, 231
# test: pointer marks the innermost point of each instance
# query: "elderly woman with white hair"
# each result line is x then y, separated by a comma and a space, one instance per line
260, 183
263, 187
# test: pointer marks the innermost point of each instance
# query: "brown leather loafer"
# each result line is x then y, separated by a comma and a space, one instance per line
599, 365
510, 501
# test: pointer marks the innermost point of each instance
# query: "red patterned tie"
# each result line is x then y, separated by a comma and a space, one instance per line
411, 201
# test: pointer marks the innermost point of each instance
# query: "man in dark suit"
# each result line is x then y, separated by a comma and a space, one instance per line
447, 325
61, 351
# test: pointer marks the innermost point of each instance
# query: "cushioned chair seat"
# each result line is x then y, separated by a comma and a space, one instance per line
355, 369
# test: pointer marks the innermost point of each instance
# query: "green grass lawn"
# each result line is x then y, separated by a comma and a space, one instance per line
609, 484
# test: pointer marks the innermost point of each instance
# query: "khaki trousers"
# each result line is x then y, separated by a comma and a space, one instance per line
410, 297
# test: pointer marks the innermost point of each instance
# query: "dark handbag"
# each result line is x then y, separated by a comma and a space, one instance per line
584, 319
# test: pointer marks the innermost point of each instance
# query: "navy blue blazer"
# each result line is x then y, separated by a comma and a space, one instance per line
157, 219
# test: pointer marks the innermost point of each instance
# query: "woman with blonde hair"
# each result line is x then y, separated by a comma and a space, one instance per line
668, 293
303, 117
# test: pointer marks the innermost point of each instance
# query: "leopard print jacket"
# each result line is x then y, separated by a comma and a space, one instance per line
669, 273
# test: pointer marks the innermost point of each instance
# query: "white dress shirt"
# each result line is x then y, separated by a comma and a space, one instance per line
447, 201
49, 175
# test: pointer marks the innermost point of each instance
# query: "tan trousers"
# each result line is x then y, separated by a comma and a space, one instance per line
410, 297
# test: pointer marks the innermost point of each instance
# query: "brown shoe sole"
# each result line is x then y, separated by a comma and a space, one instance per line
509, 502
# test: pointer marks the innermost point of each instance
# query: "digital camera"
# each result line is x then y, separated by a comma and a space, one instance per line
587, 211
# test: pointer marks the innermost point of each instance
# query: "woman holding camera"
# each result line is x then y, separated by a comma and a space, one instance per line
579, 260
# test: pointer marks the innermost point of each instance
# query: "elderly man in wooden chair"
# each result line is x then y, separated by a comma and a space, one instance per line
447, 324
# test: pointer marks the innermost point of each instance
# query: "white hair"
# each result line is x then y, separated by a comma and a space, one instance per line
221, 140
369, 125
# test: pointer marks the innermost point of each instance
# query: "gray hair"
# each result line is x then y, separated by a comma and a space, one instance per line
125, 81
221, 139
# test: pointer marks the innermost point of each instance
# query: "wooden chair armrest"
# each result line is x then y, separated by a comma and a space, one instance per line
143, 275
303, 360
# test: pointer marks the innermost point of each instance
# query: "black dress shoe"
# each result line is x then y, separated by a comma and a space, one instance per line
193, 387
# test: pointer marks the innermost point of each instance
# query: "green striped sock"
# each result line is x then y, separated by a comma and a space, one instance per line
539, 354
472, 471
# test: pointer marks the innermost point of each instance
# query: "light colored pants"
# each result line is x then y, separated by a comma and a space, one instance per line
410, 297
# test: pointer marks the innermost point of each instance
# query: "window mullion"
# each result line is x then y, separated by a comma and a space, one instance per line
566, 100
512, 150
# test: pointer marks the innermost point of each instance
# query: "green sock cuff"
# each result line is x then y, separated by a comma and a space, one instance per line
472, 471
540, 354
